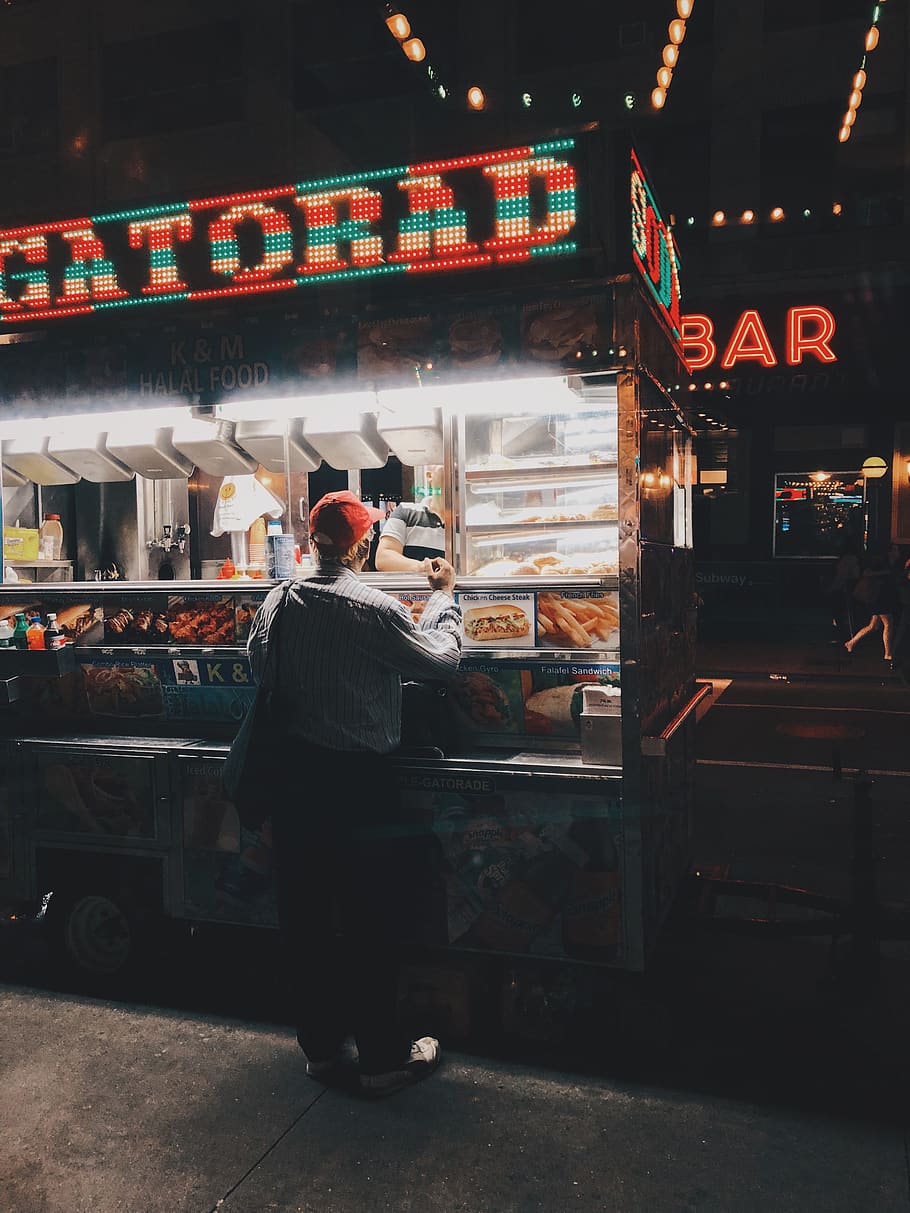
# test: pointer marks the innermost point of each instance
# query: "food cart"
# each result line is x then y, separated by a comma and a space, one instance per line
517, 321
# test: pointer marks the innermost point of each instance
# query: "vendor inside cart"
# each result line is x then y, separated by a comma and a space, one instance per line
413, 535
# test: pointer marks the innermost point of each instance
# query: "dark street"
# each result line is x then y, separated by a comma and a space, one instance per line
454, 591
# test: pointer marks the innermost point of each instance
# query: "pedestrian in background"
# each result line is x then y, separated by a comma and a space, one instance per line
847, 573
343, 647
878, 593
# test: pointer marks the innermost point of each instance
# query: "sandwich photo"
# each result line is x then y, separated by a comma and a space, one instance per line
555, 710
75, 621
475, 341
496, 621
485, 704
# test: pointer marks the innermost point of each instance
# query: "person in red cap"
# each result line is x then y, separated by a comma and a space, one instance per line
343, 647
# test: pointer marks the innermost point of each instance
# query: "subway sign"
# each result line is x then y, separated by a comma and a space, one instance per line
654, 251
489, 210
807, 331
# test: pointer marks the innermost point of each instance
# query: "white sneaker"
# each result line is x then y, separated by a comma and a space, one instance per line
319, 1069
423, 1060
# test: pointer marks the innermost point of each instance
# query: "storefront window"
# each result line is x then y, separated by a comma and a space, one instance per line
817, 514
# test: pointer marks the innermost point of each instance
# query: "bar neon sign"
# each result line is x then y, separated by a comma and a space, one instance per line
654, 251
808, 330
329, 230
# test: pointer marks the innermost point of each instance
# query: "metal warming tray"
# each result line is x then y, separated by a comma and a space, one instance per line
347, 444
90, 458
149, 453
415, 436
264, 438
11, 479
30, 458
211, 446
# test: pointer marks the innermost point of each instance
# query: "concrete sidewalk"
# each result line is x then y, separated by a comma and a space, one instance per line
757, 656
106, 1108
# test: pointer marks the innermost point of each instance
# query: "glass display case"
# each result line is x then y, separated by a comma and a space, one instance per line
539, 488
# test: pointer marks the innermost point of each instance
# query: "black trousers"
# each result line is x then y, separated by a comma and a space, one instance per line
343, 902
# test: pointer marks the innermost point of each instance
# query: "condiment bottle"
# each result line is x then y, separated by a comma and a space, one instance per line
53, 636
50, 538
6, 634
35, 633
20, 632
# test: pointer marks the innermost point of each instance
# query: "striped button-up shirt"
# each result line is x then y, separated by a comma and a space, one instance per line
343, 648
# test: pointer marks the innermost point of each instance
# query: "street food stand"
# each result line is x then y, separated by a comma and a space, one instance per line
517, 320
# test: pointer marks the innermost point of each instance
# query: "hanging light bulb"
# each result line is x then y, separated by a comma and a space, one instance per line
849, 118
684, 8
658, 97
859, 80
476, 99
664, 76
837, 209
777, 214
872, 38
414, 49
855, 99
843, 134
399, 26
670, 54
718, 218
747, 217
676, 31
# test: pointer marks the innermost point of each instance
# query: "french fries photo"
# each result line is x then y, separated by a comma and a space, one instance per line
575, 622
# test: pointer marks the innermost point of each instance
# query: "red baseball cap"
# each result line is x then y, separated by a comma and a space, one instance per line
339, 520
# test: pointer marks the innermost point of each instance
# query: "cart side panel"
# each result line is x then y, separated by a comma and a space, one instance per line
16, 818
531, 865
226, 869
104, 795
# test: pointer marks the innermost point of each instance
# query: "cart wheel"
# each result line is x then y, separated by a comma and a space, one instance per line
94, 933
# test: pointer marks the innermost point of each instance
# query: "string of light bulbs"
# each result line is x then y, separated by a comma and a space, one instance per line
870, 42
676, 31
415, 49
776, 214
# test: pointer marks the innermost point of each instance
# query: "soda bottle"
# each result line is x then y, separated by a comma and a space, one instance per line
35, 633
20, 632
53, 636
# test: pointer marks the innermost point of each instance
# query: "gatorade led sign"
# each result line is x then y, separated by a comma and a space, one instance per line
411, 219
654, 251
807, 331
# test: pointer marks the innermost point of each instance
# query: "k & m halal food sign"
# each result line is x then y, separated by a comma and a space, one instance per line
494, 209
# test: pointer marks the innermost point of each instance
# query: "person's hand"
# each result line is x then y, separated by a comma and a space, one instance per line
441, 575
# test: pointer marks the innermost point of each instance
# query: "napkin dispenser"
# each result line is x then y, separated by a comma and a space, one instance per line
601, 726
